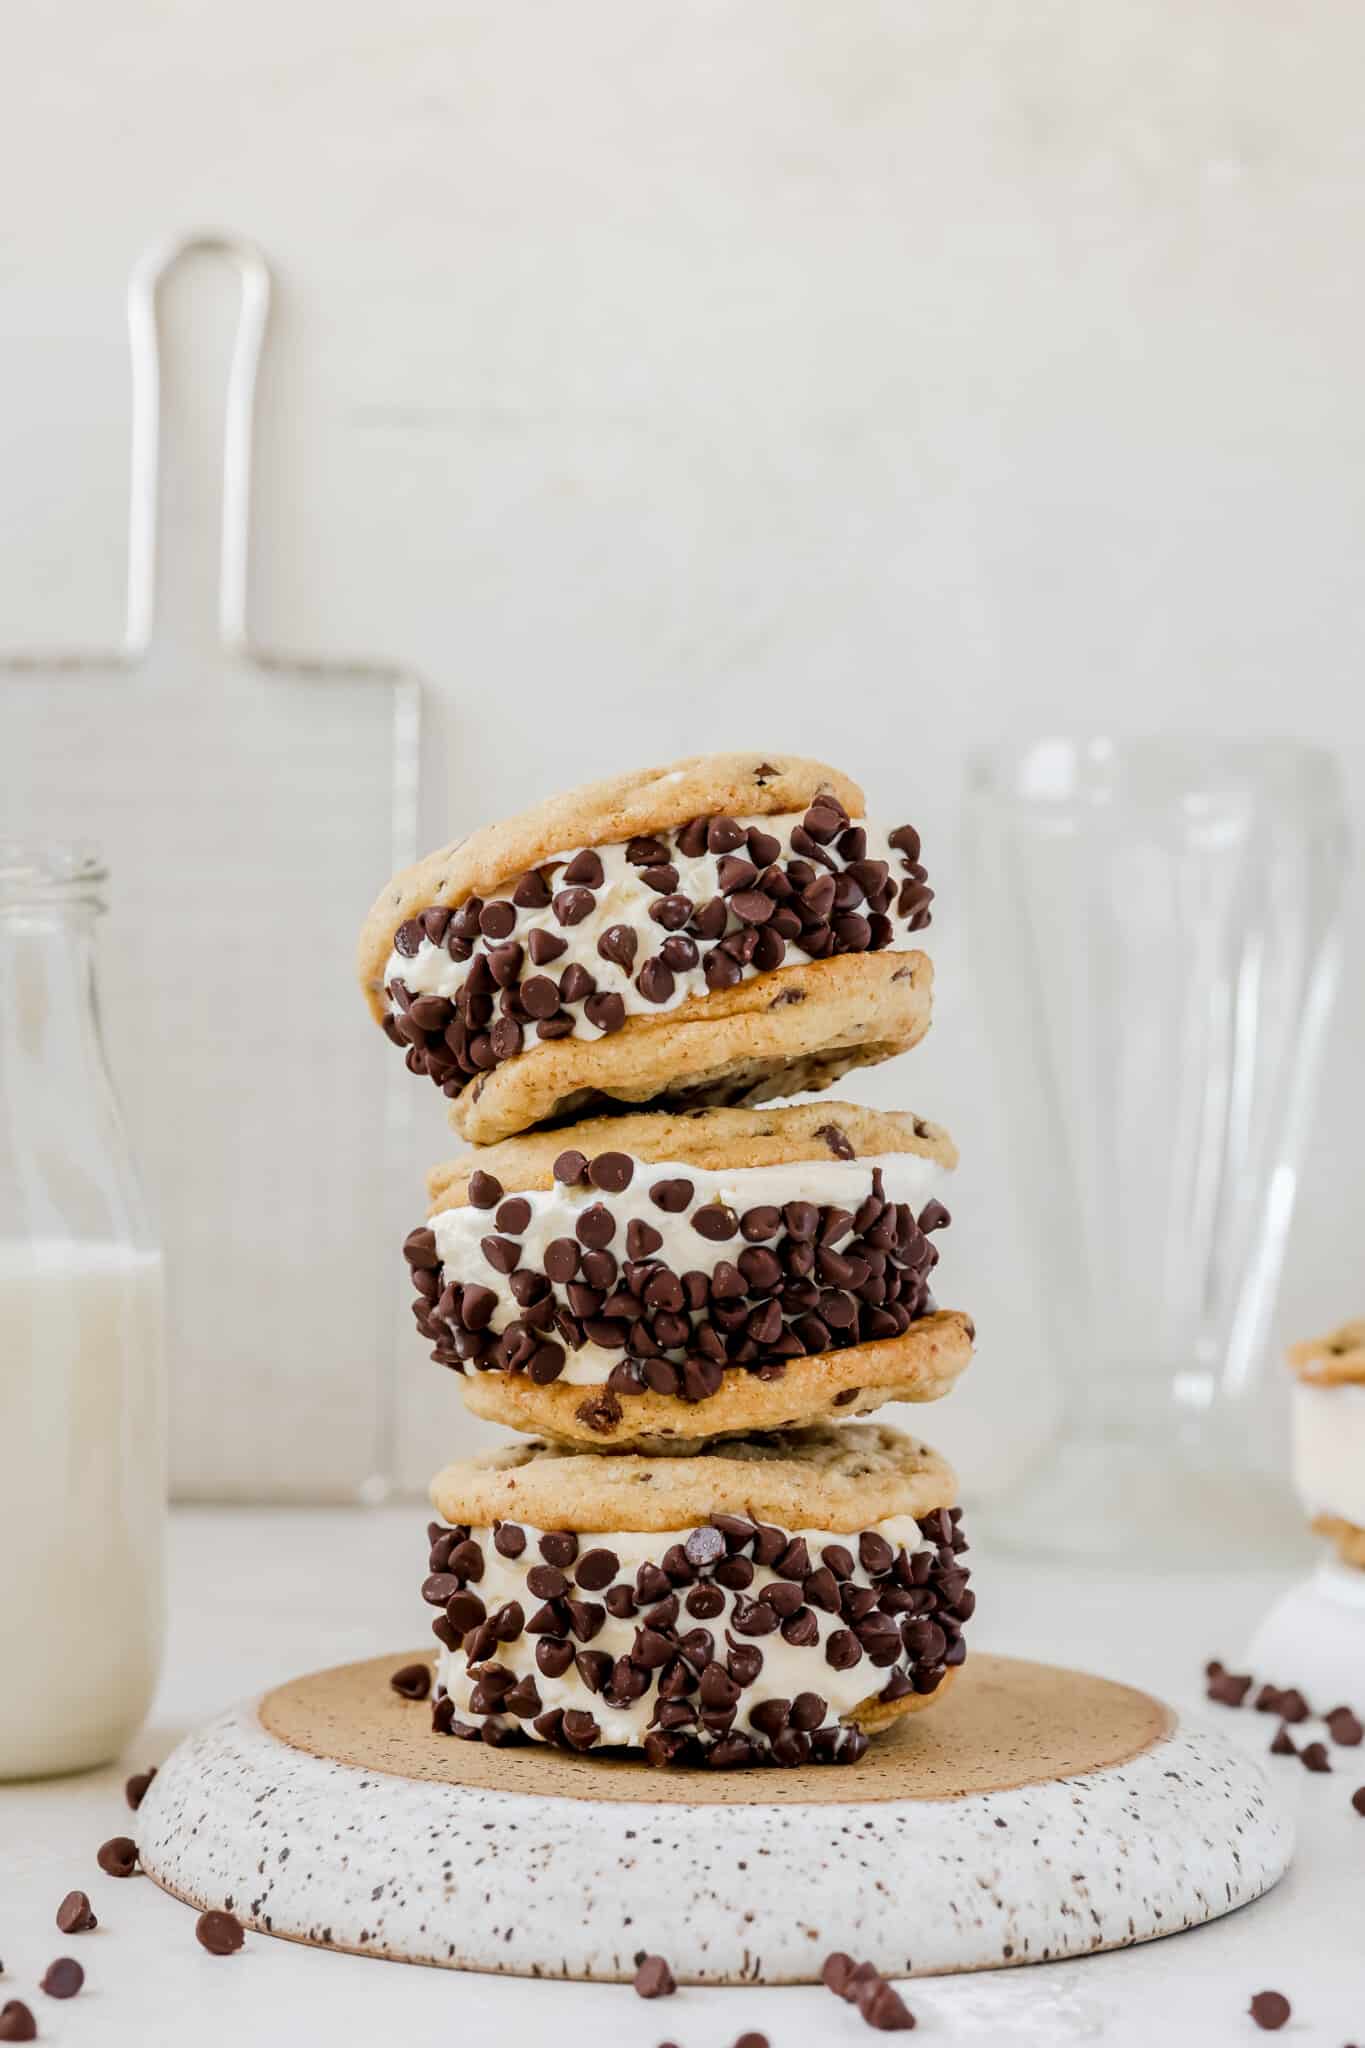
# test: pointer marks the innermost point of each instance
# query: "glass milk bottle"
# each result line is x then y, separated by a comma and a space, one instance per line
82, 1399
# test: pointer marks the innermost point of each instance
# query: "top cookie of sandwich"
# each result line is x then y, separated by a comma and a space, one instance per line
1335, 1360
561, 961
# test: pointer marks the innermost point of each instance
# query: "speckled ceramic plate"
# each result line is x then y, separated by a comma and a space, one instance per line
1035, 1813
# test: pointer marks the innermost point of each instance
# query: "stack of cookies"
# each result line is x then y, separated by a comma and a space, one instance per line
677, 1296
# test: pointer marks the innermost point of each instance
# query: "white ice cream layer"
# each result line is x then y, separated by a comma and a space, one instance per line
786, 1670
623, 899
839, 1183
1329, 1450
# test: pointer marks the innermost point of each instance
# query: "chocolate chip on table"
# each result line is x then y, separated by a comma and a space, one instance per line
1282, 1743
882, 2006
17, 2022
62, 1979
412, 1681
1269, 2009
752, 2040
1358, 1800
1313, 1756
75, 1914
835, 1972
1226, 1688
653, 1978
135, 1791
1344, 1727
118, 1856
1292, 1705
220, 1933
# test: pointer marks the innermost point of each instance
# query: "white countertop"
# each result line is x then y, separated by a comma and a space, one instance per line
257, 1595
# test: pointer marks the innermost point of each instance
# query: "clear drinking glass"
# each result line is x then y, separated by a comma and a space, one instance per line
1155, 940
82, 1402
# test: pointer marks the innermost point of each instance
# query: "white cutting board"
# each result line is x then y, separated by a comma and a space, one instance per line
248, 814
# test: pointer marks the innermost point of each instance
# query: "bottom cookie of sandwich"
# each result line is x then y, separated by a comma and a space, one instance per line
770, 1601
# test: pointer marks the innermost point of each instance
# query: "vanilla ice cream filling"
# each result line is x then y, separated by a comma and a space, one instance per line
907, 1177
786, 1670
1329, 1449
622, 898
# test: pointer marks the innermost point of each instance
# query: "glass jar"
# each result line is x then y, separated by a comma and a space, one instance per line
82, 1392
1156, 935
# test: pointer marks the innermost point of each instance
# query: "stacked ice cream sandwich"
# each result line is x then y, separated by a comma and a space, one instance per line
678, 1297
1329, 1437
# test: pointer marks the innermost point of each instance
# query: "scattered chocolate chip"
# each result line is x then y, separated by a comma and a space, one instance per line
75, 1914
1227, 1689
1344, 1727
118, 1856
835, 1972
1358, 1799
135, 1791
654, 1979
1282, 1743
412, 1681
17, 2022
1292, 1706
752, 2040
1269, 2009
63, 1978
1313, 1756
883, 2008
220, 1933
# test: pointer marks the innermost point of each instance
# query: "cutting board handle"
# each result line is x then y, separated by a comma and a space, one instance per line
148, 275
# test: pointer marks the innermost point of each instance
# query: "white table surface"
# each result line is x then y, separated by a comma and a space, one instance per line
258, 1595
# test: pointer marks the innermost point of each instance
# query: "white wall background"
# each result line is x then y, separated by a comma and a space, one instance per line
656, 375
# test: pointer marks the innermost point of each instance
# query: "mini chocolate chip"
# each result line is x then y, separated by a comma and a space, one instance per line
1313, 1756
135, 1791
842, 1649
1344, 1727
580, 1730
502, 1254
1227, 1688
1358, 1799
882, 2006
646, 853
412, 1681
752, 2040
619, 944
1269, 2009
546, 1581
75, 1915
17, 2022
673, 912
559, 1546
835, 1972
544, 947
571, 1167
531, 892
484, 1191
509, 1539
641, 1240
585, 868
220, 1933
734, 872
613, 1172
571, 906
606, 1013
118, 1856
540, 996
596, 1226
875, 1553
715, 1222
596, 1570
62, 1979
514, 1215
1282, 1742
654, 1979
723, 835
561, 1260
663, 880
673, 1196
655, 981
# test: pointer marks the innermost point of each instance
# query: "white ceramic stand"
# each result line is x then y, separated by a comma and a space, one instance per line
735, 1877
1314, 1638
